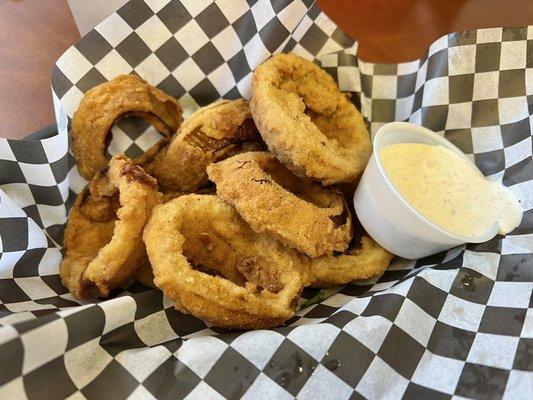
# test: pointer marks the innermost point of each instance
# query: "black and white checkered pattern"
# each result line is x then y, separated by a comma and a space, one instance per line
457, 324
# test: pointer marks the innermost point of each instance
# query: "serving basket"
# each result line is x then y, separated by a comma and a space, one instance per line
458, 323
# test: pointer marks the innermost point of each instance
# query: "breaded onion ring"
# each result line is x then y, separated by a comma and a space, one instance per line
213, 266
296, 211
358, 263
211, 134
307, 122
103, 240
103, 105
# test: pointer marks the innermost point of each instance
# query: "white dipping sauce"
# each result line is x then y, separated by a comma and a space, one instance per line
448, 190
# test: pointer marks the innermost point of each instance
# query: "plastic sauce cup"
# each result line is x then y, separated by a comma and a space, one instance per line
385, 214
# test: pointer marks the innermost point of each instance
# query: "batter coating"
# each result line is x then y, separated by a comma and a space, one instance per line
212, 133
296, 211
103, 240
366, 261
213, 266
307, 123
103, 105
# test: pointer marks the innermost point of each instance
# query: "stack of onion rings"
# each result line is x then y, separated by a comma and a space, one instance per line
237, 257
296, 211
103, 105
307, 123
103, 238
212, 133
212, 265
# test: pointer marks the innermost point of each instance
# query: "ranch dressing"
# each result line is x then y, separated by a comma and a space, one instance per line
448, 190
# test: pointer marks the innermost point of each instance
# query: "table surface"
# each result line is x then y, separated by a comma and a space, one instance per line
33, 34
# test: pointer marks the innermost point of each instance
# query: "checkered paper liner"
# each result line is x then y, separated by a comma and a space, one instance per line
457, 324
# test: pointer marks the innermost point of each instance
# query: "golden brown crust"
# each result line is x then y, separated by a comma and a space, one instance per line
307, 122
103, 105
103, 236
211, 134
195, 235
147, 157
296, 211
359, 263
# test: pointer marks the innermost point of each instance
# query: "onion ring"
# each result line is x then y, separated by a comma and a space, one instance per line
103, 105
211, 134
103, 240
213, 266
358, 263
307, 123
296, 211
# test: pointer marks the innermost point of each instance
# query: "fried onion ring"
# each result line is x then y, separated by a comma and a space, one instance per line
305, 120
358, 263
103, 105
213, 266
212, 133
103, 240
296, 211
